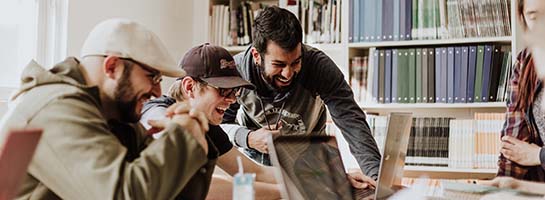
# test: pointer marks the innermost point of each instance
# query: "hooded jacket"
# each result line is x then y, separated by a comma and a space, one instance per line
81, 155
301, 108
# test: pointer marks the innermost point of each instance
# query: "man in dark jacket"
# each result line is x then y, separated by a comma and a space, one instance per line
294, 83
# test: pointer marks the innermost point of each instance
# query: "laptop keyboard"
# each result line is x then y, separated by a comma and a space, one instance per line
366, 193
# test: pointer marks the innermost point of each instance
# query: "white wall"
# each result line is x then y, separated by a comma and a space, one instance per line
171, 20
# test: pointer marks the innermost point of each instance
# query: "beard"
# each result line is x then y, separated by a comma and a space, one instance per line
270, 79
125, 99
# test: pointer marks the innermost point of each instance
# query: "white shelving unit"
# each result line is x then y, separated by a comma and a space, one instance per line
342, 52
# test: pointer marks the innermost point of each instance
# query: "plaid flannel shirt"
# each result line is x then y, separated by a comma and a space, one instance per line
520, 125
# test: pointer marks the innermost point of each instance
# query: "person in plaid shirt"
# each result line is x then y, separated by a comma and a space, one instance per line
522, 153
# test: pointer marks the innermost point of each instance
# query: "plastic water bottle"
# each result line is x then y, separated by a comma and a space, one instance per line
243, 184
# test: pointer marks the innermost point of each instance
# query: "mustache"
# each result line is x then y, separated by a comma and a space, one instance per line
280, 76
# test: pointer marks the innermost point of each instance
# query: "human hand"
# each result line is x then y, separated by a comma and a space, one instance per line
359, 180
519, 151
194, 121
501, 182
258, 139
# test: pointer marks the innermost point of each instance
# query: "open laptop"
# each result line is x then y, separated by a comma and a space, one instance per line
15, 155
310, 167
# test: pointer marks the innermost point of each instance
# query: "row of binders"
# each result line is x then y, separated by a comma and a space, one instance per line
393, 20
451, 74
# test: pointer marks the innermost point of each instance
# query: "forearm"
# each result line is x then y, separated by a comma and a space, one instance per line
221, 187
351, 121
228, 163
238, 135
530, 186
363, 146
266, 191
266, 174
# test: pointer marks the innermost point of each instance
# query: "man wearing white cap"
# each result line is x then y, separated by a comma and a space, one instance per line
92, 145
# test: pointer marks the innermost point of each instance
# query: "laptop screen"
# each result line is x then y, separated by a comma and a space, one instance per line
310, 167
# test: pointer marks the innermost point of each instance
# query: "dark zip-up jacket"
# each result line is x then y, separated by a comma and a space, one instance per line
302, 107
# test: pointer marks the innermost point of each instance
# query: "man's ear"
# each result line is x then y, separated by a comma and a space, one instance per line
111, 66
256, 56
187, 86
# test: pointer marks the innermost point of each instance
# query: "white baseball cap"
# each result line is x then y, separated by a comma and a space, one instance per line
127, 39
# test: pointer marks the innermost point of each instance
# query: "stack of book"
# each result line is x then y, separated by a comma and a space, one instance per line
451, 74
446, 142
320, 19
476, 143
377, 20
231, 25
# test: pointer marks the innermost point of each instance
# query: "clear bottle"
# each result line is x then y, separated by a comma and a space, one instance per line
243, 184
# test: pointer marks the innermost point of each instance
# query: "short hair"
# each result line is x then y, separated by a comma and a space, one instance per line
175, 91
278, 25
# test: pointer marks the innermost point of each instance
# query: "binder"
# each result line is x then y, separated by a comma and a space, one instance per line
387, 76
395, 78
381, 69
438, 74
479, 74
463, 74
471, 67
424, 77
487, 68
431, 75
497, 61
450, 74
418, 74
412, 76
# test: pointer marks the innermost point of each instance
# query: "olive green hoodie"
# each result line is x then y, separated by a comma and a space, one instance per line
81, 155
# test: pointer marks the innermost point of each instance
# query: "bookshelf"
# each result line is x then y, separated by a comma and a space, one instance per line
342, 53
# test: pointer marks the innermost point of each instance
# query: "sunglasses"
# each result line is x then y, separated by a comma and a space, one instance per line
224, 92
228, 92
153, 75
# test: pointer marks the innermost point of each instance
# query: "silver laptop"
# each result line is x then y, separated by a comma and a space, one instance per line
310, 167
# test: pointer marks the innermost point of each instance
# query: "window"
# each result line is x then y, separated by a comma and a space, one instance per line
29, 29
